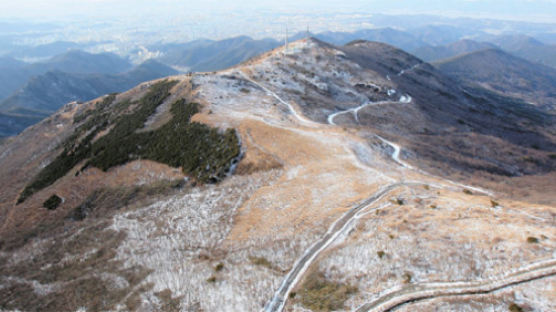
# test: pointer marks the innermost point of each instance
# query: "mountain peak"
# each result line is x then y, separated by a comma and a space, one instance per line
298, 46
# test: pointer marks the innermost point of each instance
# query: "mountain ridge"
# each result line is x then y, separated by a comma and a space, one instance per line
46, 93
460, 47
77, 62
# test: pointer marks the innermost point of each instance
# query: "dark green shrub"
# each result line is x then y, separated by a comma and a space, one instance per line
52, 202
100, 107
202, 152
515, 308
219, 267
532, 240
407, 277
261, 261
467, 192
531, 160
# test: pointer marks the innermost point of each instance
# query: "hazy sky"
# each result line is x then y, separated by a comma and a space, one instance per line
531, 10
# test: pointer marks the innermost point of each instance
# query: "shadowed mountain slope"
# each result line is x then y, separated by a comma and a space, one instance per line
435, 53
208, 55
44, 94
450, 126
13, 75
505, 74
528, 48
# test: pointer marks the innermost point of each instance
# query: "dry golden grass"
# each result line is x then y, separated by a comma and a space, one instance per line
322, 295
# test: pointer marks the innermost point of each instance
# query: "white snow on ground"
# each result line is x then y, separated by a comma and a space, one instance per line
296, 47
290, 107
405, 99
170, 237
38, 288
357, 262
261, 90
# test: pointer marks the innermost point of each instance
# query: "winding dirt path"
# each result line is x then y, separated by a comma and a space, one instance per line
290, 107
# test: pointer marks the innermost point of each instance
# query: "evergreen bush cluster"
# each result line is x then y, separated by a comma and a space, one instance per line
52, 202
203, 152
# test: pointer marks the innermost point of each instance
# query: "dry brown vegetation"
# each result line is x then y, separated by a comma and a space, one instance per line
319, 294
102, 202
68, 283
75, 265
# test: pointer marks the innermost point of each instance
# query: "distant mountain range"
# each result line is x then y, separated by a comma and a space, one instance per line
13, 123
397, 38
518, 45
433, 53
41, 88
44, 50
14, 74
46, 93
430, 43
209, 55
527, 48
506, 75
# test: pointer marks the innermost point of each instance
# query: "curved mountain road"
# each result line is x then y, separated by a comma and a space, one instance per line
404, 99
355, 111
425, 291
290, 107
300, 267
